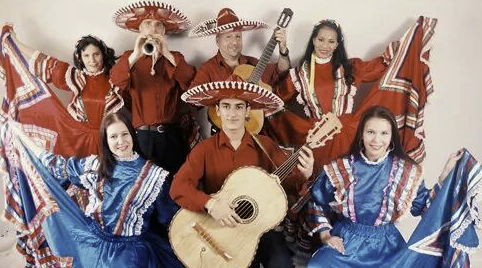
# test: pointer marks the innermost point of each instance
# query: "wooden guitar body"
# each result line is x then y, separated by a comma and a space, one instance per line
200, 241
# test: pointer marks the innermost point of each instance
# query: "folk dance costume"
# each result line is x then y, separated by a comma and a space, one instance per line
28, 99
402, 84
369, 197
202, 164
154, 87
113, 232
69, 132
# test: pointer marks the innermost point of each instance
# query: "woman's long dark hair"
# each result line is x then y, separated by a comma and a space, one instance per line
383, 113
108, 54
107, 160
339, 57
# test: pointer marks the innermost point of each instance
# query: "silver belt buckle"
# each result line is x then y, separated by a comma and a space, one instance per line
160, 128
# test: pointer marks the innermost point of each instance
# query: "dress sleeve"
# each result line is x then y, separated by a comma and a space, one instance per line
50, 70
184, 190
66, 170
424, 197
286, 88
319, 210
368, 71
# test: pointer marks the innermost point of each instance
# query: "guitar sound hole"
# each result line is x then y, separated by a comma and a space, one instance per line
244, 209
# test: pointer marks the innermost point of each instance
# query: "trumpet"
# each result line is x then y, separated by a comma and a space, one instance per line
149, 47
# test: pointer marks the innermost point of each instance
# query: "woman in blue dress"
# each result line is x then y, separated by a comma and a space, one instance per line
126, 192
367, 190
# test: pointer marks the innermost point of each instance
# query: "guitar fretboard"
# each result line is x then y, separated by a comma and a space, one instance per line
263, 60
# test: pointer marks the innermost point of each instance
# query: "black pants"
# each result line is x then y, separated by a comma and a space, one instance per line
167, 149
272, 252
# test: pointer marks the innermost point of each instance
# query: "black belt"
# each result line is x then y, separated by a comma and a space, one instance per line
159, 128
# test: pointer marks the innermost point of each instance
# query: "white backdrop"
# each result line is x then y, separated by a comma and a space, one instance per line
453, 116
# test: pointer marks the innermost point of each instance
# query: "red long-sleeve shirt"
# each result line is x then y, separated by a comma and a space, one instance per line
155, 98
211, 161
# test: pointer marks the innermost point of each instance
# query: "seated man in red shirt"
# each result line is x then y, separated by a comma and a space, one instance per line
153, 78
212, 160
228, 29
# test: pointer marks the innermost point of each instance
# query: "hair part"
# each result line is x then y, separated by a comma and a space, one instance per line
108, 54
339, 57
107, 159
381, 112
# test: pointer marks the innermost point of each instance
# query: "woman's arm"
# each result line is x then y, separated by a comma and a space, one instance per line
59, 167
26, 51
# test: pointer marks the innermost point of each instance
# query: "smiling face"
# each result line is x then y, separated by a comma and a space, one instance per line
92, 58
233, 113
377, 135
119, 139
230, 44
325, 42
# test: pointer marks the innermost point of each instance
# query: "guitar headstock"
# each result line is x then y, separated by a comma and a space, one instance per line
324, 130
285, 18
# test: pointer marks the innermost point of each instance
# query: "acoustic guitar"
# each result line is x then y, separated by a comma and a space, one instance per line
258, 199
252, 74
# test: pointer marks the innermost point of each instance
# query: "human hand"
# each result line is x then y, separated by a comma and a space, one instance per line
280, 36
336, 243
450, 164
140, 40
164, 49
306, 161
220, 210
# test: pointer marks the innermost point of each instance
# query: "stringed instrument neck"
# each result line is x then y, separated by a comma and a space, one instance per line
258, 71
322, 131
285, 169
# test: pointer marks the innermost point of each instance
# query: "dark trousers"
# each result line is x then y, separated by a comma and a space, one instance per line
272, 252
167, 149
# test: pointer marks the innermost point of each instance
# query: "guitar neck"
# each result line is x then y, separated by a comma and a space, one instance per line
263, 60
285, 169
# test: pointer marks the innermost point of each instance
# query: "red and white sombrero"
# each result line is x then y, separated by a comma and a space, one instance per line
258, 98
226, 21
131, 16
209, 94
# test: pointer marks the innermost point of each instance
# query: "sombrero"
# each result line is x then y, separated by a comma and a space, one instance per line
209, 94
131, 16
225, 22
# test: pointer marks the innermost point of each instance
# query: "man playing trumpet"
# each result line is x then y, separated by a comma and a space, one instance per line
152, 78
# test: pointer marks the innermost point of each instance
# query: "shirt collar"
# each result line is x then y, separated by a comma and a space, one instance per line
223, 139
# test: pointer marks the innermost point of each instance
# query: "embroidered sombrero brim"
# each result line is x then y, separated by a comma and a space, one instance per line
210, 93
208, 27
131, 16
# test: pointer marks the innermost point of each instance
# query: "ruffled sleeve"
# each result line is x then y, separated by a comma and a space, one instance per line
319, 210
70, 170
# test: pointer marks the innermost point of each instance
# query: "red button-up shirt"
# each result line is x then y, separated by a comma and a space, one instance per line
216, 69
155, 98
211, 161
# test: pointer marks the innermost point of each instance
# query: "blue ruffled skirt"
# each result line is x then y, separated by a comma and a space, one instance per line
365, 246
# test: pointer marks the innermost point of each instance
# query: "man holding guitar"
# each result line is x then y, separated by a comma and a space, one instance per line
228, 29
211, 161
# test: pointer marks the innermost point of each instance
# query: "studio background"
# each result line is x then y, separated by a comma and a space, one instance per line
453, 116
